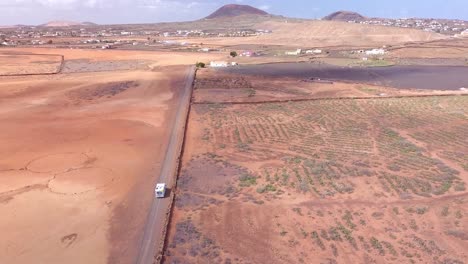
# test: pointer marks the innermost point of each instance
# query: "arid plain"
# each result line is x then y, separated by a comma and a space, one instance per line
80, 153
285, 159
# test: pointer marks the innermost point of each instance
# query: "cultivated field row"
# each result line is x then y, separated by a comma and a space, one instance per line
324, 181
386, 139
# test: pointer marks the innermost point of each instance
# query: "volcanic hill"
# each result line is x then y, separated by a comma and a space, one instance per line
344, 16
66, 24
234, 10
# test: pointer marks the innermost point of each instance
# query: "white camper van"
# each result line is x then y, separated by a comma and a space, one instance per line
160, 190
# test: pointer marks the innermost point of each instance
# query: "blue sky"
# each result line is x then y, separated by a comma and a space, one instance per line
147, 11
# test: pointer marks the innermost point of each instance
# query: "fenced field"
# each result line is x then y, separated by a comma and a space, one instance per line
30, 64
324, 181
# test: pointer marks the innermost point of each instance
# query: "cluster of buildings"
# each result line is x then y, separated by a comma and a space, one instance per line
375, 52
443, 26
222, 64
366, 54
298, 52
242, 33
463, 34
30, 35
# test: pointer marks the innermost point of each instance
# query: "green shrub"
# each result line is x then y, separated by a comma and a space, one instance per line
247, 180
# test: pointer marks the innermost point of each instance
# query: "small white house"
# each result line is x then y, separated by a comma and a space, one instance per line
247, 54
293, 53
218, 64
107, 46
375, 52
315, 51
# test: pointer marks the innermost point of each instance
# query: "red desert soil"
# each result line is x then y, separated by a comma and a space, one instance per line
79, 158
330, 181
11, 64
157, 58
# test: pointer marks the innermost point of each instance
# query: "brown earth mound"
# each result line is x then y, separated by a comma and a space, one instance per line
236, 10
66, 24
345, 16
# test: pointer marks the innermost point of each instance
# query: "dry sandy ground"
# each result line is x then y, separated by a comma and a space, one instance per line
331, 181
449, 48
80, 154
28, 64
157, 58
325, 33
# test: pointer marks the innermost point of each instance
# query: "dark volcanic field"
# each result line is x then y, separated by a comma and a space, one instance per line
418, 77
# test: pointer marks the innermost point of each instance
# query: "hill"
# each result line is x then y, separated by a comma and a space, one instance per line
344, 16
13, 26
60, 23
88, 24
316, 33
233, 10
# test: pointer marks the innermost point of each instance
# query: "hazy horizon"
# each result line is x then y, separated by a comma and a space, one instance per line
35, 12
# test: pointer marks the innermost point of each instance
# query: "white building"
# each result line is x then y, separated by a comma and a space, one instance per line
107, 46
315, 51
375, 52
218, 64
247, 54
293, 53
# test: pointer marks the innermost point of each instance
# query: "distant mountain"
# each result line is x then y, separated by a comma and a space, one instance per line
13, 26
59, 23
88, 24
345, 16
236, 10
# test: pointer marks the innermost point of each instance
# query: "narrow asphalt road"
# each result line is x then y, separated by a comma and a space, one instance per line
154, 227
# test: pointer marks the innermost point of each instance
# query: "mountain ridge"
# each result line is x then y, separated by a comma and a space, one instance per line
66, 23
